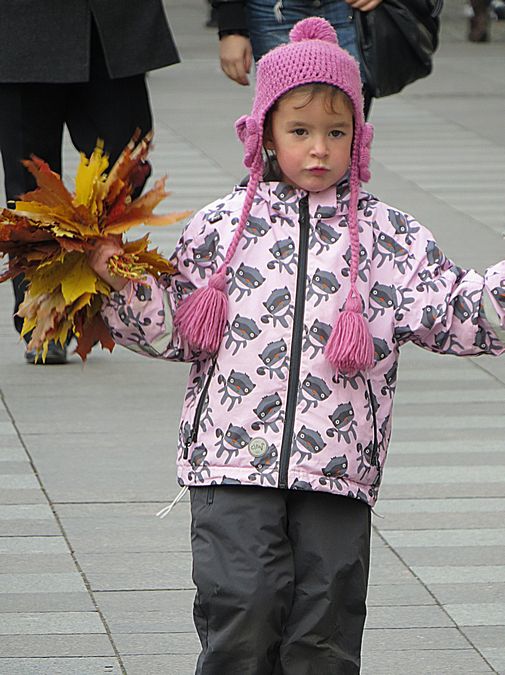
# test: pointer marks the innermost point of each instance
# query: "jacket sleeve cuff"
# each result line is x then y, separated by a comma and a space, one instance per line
493, 317
231, 17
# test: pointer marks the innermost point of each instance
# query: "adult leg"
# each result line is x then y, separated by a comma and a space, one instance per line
31, 123
243, 571
331, 549
480, 21
106, 108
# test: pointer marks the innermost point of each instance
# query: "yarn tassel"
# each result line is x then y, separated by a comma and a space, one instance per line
350, 348
201, 317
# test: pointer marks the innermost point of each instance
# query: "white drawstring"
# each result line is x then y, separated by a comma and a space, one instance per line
278, 11
166, 509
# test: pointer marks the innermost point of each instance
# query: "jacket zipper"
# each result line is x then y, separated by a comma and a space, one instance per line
375, 456
192, 438
296, 344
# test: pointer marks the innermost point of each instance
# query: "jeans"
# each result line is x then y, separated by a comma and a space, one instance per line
269, 22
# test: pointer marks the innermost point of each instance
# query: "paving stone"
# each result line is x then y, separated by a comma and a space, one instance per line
131, 644
425, 490
13, 454
484, 636
442, 506
29, 527
392, 574
13, 467
33, 496
397, 639
28, 545
33, 623
439, 556
484, 614
26, 512
413, 593
36, 563
177, 619
128, 571
468, 593
443, 521
46, 602
461, 575
63, 666
160, 665
6, 429
147, 611
107, 467
419, 616
20, 646
451, 538
462, 474
496, 657
97, 528
424, 662
21, 481
42, 583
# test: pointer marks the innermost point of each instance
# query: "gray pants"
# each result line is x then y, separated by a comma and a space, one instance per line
281, 578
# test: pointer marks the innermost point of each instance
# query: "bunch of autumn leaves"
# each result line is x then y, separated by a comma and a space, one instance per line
51, 231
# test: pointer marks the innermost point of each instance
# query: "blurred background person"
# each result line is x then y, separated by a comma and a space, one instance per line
249, 28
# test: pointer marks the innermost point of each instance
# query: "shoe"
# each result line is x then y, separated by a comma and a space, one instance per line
56, 354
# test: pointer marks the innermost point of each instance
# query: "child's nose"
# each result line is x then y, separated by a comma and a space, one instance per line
320, 147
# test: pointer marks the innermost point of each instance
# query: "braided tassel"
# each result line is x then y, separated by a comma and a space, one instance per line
201, 317
350, 348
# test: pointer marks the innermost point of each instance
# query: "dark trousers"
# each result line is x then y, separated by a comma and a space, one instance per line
32, 118
281, 578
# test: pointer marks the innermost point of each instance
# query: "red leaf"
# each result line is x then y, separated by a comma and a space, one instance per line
93, 331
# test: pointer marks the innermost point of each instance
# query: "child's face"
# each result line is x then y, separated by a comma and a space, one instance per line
312, 139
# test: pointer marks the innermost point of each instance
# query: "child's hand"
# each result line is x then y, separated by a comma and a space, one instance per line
98, 260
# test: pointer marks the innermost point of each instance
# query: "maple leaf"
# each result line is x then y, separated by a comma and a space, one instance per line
49, 234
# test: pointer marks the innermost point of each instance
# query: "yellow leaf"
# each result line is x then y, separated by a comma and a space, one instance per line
79, 280
89, 176
49, 276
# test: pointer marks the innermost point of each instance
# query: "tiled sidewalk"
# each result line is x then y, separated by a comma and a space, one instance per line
91, 582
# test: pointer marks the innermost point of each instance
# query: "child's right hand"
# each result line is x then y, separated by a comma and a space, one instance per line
98, 259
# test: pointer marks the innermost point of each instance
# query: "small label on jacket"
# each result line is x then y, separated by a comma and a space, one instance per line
257, 447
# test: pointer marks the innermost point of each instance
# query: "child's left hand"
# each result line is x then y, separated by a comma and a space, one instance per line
98, 260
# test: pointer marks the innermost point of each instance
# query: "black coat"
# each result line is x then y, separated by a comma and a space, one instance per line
49, 40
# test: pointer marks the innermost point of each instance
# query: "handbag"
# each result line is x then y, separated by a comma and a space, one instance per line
397, 40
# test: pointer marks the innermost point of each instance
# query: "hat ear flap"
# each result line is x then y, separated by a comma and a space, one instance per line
248, 132
365, 144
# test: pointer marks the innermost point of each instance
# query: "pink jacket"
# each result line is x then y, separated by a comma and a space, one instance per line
269, 410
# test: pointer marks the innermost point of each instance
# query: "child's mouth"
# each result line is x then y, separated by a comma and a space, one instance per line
318, 170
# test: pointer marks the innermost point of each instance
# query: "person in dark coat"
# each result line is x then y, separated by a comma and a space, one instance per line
79, 63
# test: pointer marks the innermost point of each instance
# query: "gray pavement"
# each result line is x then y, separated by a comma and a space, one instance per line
91, 582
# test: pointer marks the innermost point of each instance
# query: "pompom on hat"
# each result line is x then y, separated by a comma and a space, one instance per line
312, 55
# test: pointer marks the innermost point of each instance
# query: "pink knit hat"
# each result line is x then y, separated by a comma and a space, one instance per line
312, 55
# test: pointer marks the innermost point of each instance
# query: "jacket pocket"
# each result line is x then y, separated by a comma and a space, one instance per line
374, 460
193, 436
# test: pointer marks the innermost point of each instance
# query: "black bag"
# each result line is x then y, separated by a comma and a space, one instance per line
397, 40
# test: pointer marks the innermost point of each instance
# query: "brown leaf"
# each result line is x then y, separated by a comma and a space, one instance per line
92, 331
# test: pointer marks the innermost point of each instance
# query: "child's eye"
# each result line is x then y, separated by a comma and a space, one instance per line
299, 132
336, 133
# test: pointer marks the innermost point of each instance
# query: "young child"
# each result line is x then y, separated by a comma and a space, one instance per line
292, 299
